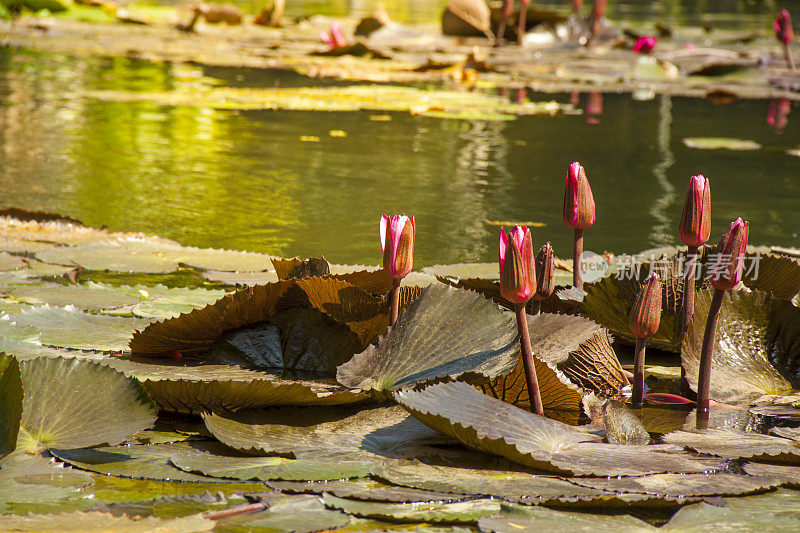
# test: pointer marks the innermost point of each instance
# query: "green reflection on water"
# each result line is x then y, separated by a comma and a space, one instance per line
246, 180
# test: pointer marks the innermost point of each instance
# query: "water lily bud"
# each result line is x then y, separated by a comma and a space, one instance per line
728, 258
783, 27
578, 199
397, 244
517, 267
695, 224
646, 312
545, 273
645, 44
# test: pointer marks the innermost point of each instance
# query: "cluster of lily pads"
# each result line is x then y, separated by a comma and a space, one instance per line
148, 385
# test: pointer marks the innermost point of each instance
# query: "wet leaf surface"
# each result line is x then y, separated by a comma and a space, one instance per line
10, 403
300, 514
365, 489
94, 521
444, 334
32, 483
684, 485
721, 143
436, 512
787, 475
66, 405
738, 444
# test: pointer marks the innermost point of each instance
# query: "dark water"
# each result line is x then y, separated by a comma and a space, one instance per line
246, 180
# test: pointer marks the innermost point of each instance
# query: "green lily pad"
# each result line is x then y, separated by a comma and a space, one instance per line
507, 484
299, 514
11, 262
111, 489
365, 489
99, 522
66, 405
684, 485
521, 518
31, 350
240, 278
479, 421
770, 512
721, 143
435, 512
68, 327
112, 256
444, 334
194, 389
10, 403
738, 444
88, 297
177, 506
755, 351
141, 461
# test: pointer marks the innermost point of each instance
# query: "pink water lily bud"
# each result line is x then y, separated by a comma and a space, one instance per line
645, 315
645, 44
517, 267
783, 27
578, 199
397, 244
336, 39
727, 262
545, 273
695, 226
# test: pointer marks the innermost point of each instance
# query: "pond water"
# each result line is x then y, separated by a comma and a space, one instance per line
246, 180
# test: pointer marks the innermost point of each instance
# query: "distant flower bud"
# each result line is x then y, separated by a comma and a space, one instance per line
578, 199
645, 315
727, 262
517, 268
645, 44
397, 245
783, 27
695, 226
545, 273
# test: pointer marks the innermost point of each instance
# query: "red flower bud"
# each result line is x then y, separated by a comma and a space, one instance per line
517, 269
645, 315
545, 273
645, 44
397, 245
578, 199
783, 27
727, 262
695, 224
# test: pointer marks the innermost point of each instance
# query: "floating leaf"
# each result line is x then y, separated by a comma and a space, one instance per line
364, 489
240, 278
177, 506
10, 403
501, 483
481, 422
111, 489
89, 296
68, 404
30, 481
11, 262
299, 514
684, 485
435, 512
444, 334
755, 350
194, 389
785, 474
770, 512
738, 444
99, 522
140, 461
774, 273
521, 518
68, 327
720, 143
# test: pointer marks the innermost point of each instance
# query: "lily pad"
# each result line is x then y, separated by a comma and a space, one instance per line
194, 389
99, 522
479, 421
177, 506
365, 489
31, 482
770, 512
10, 403
299, 514
240, 278
521, 518
111, 489
775, 273
69, 327
721, 143
785, 474
435, 512
140, 461
11, 262
755, 352
66, 405
737, 444
444, 334
88, 297
684, 485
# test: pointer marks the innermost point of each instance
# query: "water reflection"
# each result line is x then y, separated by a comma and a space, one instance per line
245, 179
778, 115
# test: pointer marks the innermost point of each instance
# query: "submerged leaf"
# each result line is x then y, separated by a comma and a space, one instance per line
10, 403
436, 512
755, 350
481, 422
72, 403
444, 334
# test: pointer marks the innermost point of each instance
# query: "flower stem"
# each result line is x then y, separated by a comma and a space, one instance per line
789, 58
704, 379
523, 14
395, 299
536, 307
638, 373
577, 252
688, 306
527, 360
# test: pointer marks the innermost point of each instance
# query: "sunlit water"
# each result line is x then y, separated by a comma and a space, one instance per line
246, 180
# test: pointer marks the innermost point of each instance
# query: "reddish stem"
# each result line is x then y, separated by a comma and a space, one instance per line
527, 360
523, 14
638, 373
577, 252
688, 307
508, 6
395, 299
704, 379
234, 511
789, 59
